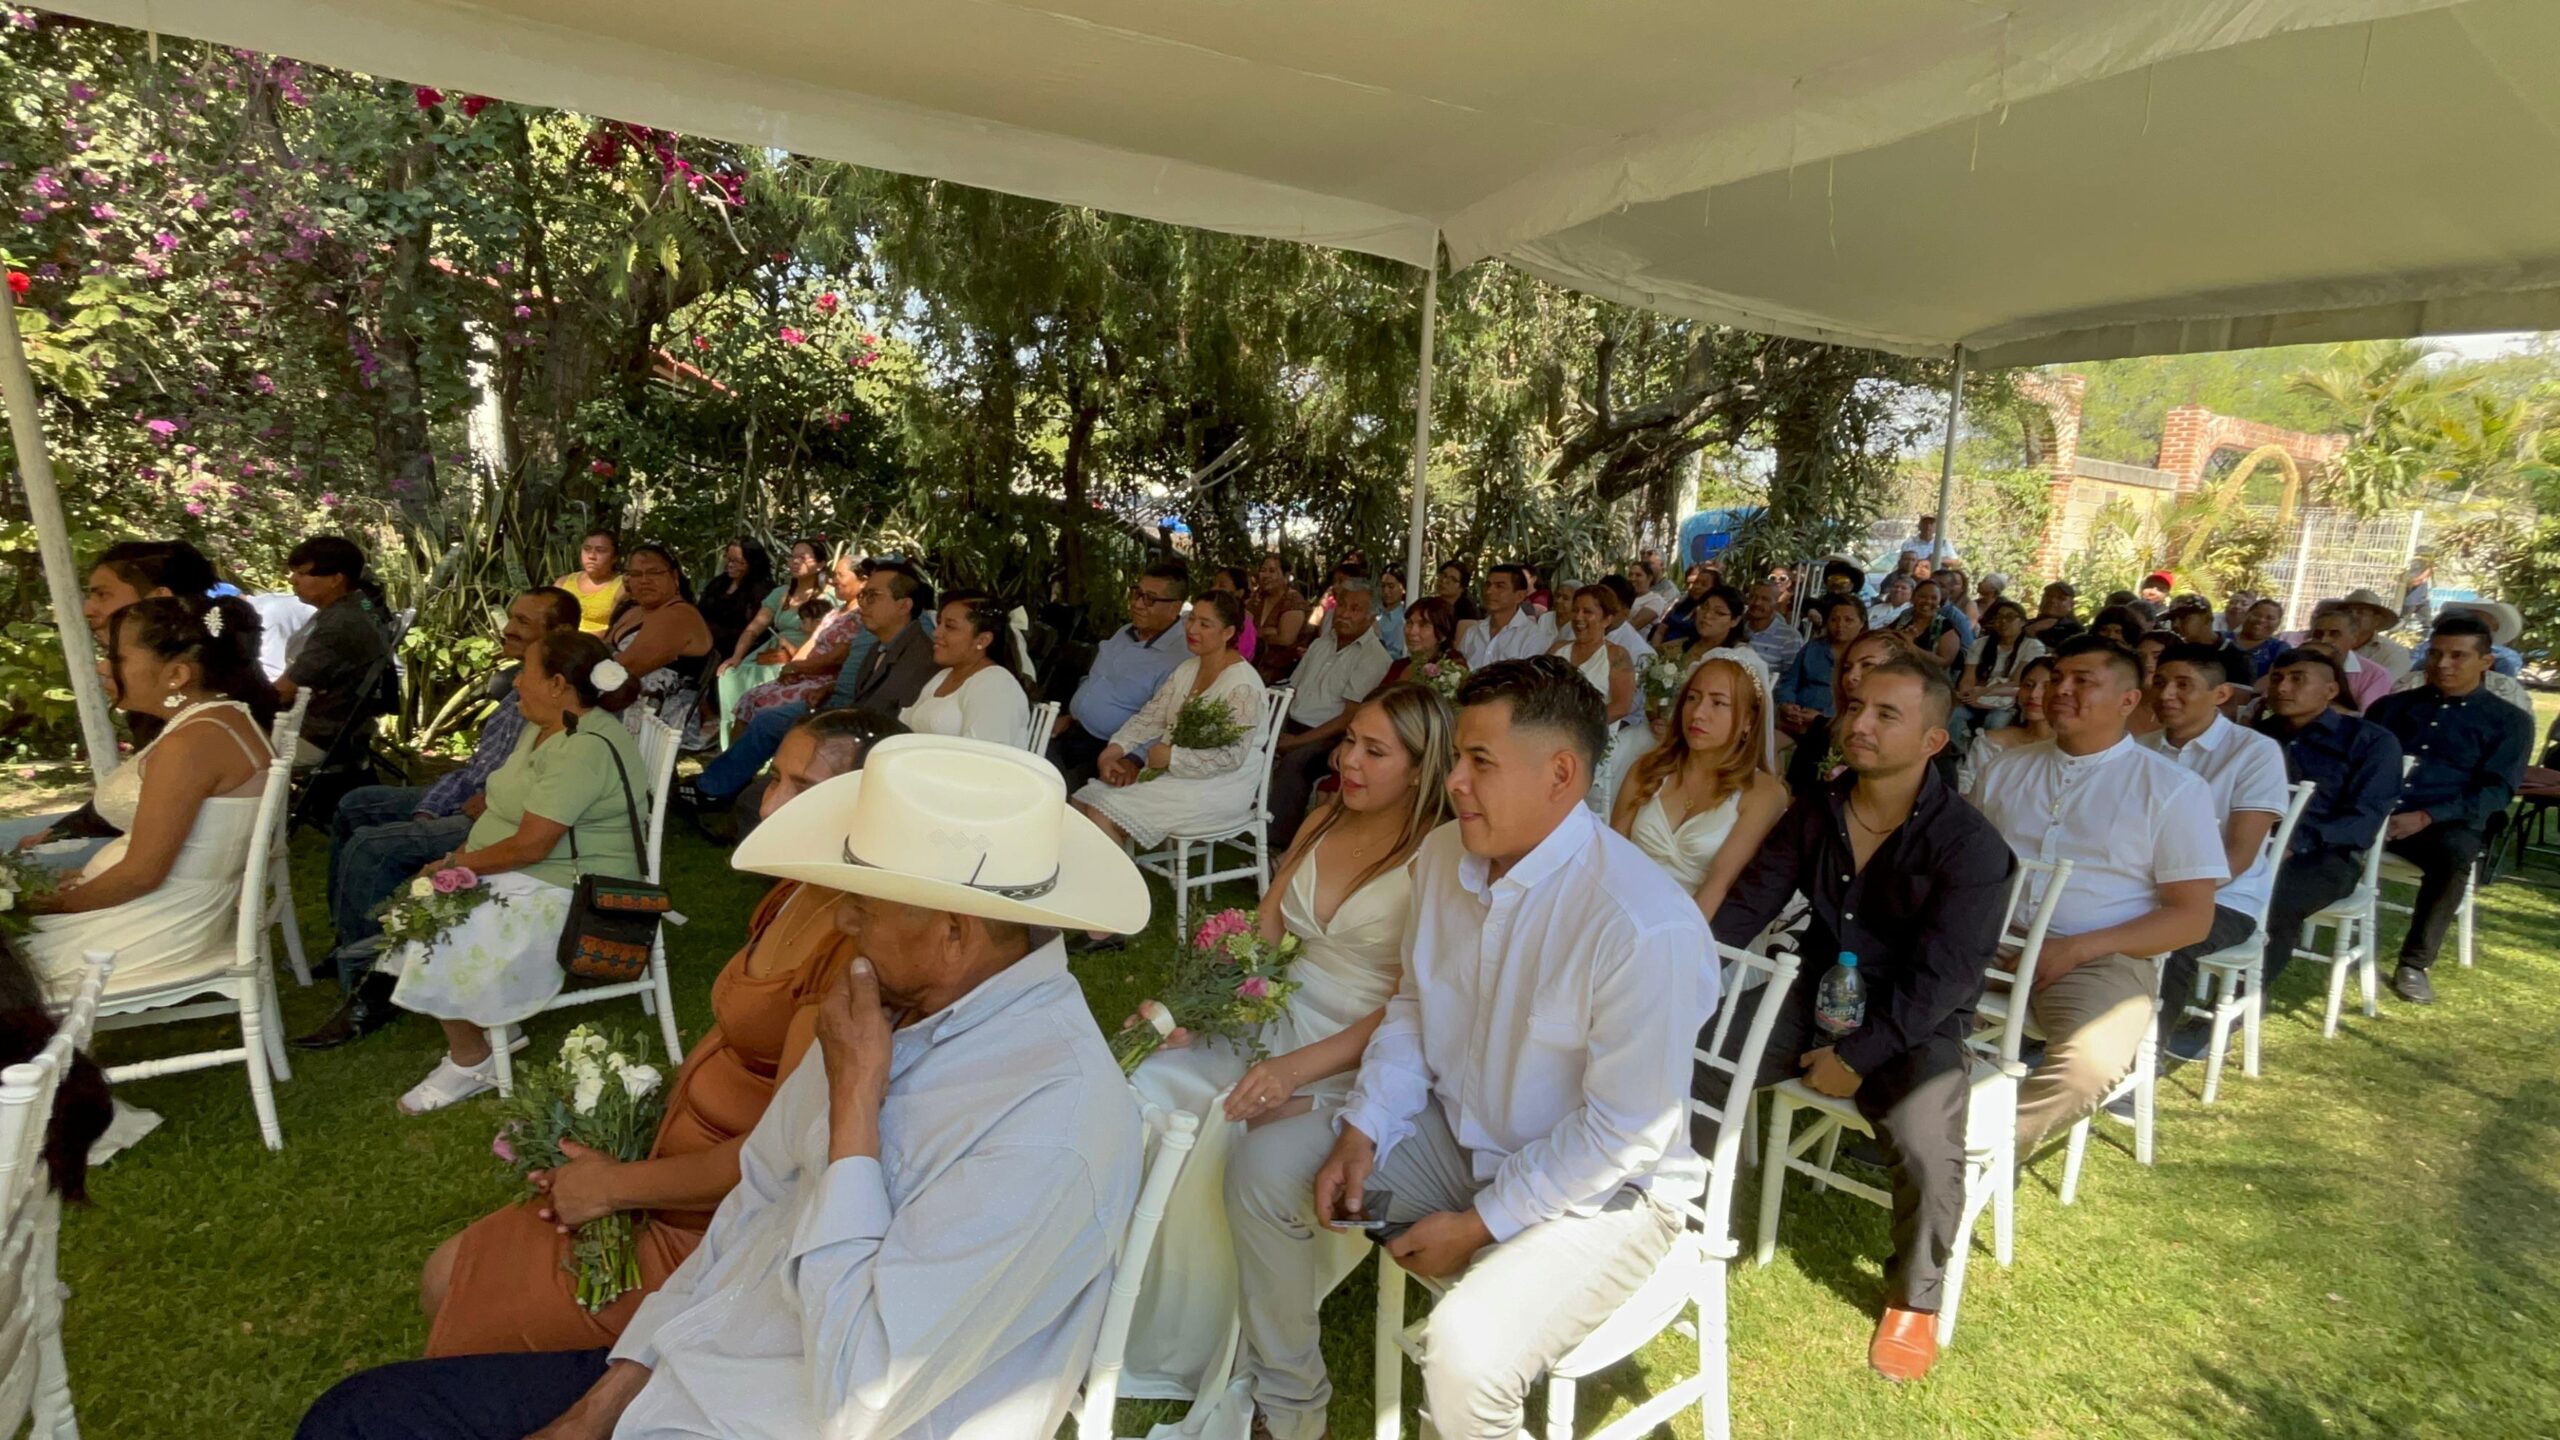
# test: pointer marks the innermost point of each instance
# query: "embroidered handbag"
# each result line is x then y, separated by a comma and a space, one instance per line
612, 922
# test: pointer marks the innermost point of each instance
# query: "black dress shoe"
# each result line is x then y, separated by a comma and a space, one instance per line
2410, 983
1083, 944
2187, 1043
365, 1011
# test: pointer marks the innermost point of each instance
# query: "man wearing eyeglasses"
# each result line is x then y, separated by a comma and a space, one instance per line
1126, 670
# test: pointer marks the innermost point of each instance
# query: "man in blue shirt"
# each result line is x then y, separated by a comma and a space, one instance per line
382, 834
1125, 673
2354, 767
2470, 748
1804, 692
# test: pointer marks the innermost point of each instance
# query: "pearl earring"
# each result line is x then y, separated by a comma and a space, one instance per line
173, 702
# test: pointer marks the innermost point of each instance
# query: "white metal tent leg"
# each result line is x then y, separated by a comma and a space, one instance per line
53, 542
1947, 465
1415, 577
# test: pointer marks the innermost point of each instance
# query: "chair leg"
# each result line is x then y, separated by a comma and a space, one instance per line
290, 923
253, 1042
2146, 1099
1386, 1385
1715, 1381
1750, 1117
2340, 962
2253, 1017
2077, 1152
664, 991
2462, 917
499, 1040
279, 1055
2220, 1041
1181, 887
1773, 1173
1559, 1408
1830, 1156
2004, 1204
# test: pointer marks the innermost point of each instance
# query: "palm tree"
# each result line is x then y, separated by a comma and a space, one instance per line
2394, 407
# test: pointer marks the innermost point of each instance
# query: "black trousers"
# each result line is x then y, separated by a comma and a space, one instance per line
2444, 855
2306, 884
2178, 977
1294, 777
1075, 752
462, 1397
1915, 1102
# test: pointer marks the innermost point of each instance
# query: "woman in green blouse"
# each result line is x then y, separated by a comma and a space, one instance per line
776, 633
555, 810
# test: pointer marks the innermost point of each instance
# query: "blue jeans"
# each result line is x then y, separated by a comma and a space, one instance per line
750, 752
374, 846
461, 1397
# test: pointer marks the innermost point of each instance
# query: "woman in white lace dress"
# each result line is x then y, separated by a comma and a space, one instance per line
165, 895
1188, 786
1343, 890
1702, 800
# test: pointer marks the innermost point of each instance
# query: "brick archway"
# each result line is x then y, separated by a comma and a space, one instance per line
2191, 435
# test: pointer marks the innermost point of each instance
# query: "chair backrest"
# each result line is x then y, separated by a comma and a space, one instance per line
250, 940
27, 1090
1175, 1132
659, 746
1275, 714
2036, 889
1044, 718
286, 734
1753, 1006
2271, 854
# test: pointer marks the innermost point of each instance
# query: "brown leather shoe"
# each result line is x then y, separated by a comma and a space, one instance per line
1906, 1344
1262, 1427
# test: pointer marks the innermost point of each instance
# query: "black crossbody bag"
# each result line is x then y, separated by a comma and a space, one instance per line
612, 922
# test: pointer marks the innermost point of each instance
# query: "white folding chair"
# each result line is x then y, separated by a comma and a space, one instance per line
244, 987
35, 1383
1044, 718
2143, 1084
2396, 871
1250, 831
1176, 1131
659, 745
1991, 1111
1691, 1276
2230, 984
2355, 941
282, 740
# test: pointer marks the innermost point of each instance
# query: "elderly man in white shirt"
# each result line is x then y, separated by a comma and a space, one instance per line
923, 1233
1518, 1126
1508, 631
1338, 671
2245, 773
2139, 831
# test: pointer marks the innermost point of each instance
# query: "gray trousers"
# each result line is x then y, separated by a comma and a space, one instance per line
1515, 1311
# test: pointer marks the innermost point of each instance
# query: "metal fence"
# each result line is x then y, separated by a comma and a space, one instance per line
2331, 552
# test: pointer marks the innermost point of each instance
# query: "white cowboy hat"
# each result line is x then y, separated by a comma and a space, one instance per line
963, 826
2366, 599
2505, 621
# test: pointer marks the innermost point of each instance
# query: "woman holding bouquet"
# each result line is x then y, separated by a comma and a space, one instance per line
501, 1285
1343, 891
1430, 639
1701, 801
1149, 779
555, 810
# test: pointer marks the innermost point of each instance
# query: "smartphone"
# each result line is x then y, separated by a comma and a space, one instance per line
1374, 1203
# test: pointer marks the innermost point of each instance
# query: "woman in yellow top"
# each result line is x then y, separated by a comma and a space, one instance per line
597, 582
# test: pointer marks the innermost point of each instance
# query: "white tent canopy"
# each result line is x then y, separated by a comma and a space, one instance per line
2034, 179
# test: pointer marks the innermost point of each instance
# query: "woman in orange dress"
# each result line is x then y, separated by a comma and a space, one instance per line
500, 1286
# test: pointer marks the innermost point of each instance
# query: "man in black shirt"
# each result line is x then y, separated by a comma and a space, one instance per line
2470, 749
2354, 768
1905, 875
343, 657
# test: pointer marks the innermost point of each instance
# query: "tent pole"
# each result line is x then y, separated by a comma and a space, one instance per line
1947, 466
53, 542
1417, 581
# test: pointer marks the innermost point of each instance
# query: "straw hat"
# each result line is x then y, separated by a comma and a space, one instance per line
968, 827
2505, 621
2364, 598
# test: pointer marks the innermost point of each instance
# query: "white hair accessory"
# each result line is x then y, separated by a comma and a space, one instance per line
608, 676
213, 621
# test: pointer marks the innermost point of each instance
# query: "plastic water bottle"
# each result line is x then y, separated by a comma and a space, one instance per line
1840, 1001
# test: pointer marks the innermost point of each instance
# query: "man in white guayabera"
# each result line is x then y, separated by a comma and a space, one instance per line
1520, 1112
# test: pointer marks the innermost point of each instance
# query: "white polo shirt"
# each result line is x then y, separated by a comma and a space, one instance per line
1331, 677
1525, 636
2244, 770
2128, 820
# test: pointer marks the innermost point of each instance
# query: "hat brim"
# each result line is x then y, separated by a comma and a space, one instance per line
1098, 886
2505, 621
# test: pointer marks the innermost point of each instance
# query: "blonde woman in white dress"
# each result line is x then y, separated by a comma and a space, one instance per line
165, 895
1703, 799
1343, 890
977, 692
1193, 786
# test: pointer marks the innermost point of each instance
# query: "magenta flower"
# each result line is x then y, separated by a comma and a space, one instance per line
472, 105
80, 92
162, 428
165, 240
1215, 930
1254, 987
454, 878
262, 384
429, 97
522, 311
195, 507
103, 211
793, 337
499, 1147
701, 344
600, 467
827, 303
329, 499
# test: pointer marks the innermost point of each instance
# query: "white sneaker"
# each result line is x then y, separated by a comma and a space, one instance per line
450, 1084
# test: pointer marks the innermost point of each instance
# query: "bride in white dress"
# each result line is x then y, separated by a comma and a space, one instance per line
1704, 798
1343, 890
164, 895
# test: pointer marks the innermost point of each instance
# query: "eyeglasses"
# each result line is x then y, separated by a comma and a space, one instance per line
1138, 596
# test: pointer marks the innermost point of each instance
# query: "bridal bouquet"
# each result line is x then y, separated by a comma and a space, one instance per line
1201, 724
420, 912
604, 1095
1227, 984
1661, 680
22, 878
1445, 675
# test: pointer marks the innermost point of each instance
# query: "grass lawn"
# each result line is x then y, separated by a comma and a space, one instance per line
2365, 1242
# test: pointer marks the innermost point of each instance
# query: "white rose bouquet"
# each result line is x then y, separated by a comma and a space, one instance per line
21, 879
419, 912
1661, 679
603, 1094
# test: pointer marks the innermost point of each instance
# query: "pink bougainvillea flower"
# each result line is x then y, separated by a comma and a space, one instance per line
329, 499
429, 97
162, 428
827, 303
701, 344
472, 105
262, 384
195, 507
30, 216
80, 92
600, 467
522, 311
103, 211
793, 337
18, 282
165, 240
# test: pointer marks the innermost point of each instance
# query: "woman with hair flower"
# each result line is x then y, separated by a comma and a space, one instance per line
559, 808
